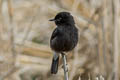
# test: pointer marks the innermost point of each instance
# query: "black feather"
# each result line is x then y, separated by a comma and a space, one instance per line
54, 66
64, 38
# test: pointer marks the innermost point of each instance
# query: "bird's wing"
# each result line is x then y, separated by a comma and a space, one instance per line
55, 33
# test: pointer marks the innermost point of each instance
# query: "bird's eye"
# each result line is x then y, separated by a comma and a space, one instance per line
59, 19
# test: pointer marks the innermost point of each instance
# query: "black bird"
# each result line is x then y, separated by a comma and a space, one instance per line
64, 38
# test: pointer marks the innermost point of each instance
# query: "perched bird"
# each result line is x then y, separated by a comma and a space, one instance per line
64, 38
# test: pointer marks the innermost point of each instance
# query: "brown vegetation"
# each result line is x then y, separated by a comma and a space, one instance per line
25, 32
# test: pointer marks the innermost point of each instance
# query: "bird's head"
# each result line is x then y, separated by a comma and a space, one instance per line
63, 18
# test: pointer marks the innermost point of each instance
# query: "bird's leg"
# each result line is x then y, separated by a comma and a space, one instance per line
65, 68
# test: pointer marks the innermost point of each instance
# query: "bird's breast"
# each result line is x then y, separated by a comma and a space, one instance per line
65, 42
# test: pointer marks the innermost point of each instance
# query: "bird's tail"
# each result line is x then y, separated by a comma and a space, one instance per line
55, 62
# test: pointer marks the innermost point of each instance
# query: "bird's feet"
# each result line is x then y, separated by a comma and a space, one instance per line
65, 67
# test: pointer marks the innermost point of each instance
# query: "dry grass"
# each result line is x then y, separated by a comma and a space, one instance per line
25, 32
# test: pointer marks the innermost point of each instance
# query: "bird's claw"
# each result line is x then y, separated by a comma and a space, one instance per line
66, 67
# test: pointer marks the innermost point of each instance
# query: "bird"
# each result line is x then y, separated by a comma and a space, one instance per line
64, 37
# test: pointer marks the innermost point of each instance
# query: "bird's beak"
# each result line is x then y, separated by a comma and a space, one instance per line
52, 20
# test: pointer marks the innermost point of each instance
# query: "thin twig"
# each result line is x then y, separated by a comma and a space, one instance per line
104, 45
65, 66
101, 77
1, 1
10, 12
11, 35
27, 32
116, 43
79, 78
30, 27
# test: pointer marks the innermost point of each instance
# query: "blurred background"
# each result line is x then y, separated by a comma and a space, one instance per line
25, 32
